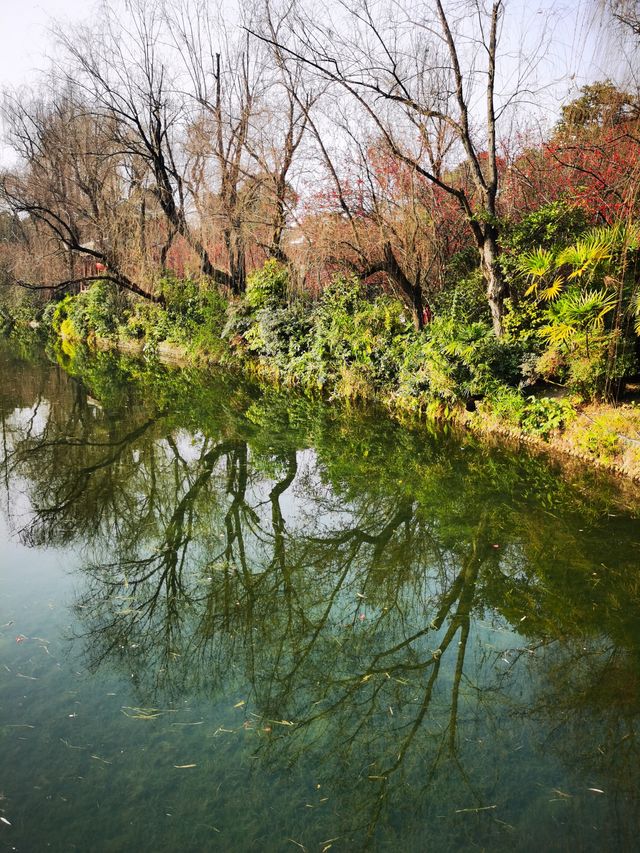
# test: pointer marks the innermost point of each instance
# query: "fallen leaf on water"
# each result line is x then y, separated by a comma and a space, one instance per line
70, 745
145, 713
479, 809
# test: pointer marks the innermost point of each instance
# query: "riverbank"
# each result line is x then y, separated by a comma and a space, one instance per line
354, 346
598, 435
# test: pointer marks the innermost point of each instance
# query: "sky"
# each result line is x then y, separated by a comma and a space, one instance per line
26, 42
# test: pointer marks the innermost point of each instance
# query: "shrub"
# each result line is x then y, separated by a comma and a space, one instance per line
350, 331
594, 371
195, 310
453, 362
610, 433
147, 321
554, 224
97, 310
267, 287
507, 404
280, 334
544, 415
462, 299
600, 439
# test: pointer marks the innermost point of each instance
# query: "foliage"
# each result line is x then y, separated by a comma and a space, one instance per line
348, 342
355, 344
279, 334
195, 310
18, 307
553, 224
267, 287
355, 339
544, 415
609, 432
454, 362
147, 321
463, 300
538, 416
96, 310
600, 439
581, 291
599, 104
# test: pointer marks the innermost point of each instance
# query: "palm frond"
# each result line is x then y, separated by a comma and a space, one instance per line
554, 289
558, 333
537, 263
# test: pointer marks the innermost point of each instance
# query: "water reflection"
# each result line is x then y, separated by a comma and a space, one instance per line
439, 636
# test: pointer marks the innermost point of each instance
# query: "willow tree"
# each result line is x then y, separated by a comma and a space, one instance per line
72, 197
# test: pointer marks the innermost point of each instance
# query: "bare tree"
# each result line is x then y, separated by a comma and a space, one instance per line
70, 196
415, 74
128, 81
627, 12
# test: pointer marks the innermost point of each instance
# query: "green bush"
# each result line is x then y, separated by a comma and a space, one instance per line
552, 225
600, 439
147, 321
507, 404
592, 371
268, 286
194, 309
99, 310
539, 416
280, 334
453, 362
353, 335
463, 299
544, 415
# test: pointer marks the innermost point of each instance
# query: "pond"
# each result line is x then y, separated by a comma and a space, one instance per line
238, 619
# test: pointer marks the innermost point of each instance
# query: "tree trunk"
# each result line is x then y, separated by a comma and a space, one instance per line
237, 261
418, 306
493, 278
412, 293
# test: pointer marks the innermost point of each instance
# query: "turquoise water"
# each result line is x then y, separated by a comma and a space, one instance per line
234, 619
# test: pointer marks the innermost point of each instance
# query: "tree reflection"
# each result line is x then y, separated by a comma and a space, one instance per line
358, 588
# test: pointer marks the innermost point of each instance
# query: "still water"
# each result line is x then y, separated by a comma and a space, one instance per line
240, 620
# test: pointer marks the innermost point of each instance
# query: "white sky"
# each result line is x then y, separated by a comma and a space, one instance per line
24, 39
26, 43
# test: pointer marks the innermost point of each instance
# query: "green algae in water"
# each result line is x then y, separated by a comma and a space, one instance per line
233, 619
